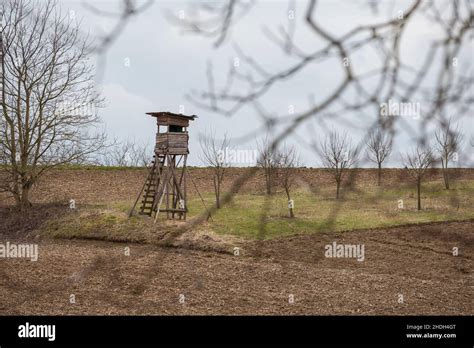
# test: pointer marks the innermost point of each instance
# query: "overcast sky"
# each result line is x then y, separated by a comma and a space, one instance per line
152, 66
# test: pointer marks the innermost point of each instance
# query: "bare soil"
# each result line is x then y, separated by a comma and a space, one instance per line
415, 262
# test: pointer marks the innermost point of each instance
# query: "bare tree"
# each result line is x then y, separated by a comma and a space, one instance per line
48, 98
119, 154
125, 154
417, 162
448, 140
268, 160
379, 147
140, 155
213, 154
338, 155
287, 172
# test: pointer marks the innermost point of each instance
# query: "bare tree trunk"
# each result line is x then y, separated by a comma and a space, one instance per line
419, 193
268, 177
24, 203
218, 201
338, 184
292, 214
445, 173
217, 190
17, 198
379, 173
22, 194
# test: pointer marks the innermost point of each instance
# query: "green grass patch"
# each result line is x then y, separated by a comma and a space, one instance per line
368, 207
257, 216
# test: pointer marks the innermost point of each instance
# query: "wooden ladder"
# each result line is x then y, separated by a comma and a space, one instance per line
151, 185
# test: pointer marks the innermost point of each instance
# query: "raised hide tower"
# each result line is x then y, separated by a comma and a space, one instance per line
165, 187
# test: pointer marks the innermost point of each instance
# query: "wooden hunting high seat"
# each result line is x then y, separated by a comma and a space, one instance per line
166, 181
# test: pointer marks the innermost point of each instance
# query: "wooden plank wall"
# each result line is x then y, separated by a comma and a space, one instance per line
175, 143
